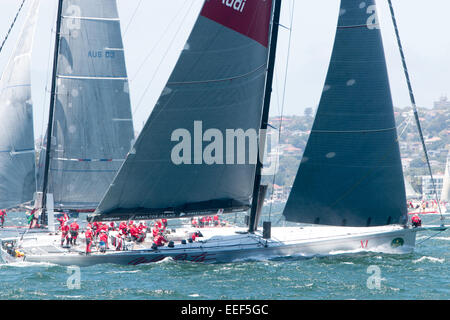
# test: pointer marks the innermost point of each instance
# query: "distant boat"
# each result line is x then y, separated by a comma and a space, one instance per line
17, 154
350, 182
445, 195
410, 192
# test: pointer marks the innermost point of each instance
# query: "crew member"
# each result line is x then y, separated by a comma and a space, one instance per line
216, 220
74, 228
416, 221
103, 241
119, 241
123, 227
89, 236
112, 226
2, 217
64, 234
159, 240
62, 221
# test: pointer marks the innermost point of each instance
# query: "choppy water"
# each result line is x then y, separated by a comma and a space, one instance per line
424, 274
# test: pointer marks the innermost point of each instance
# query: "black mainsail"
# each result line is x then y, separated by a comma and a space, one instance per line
184, 161
351, 173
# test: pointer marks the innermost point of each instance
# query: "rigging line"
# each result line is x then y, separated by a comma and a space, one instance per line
49, 57
163, 34
12, 25
283, 101
131, 19
432, 236
413, 102
162, 60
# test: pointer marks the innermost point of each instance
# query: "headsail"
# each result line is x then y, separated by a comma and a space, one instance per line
17, 155
351, 172
92, 123
215, 90
445, 195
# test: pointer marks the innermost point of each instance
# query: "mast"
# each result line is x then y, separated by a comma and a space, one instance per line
265, 116
51, 111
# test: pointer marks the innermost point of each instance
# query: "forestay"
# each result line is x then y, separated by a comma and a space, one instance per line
351, 172
17, 154
182, 162
92, 124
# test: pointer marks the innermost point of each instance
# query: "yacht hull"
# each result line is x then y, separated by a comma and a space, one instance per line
234, 245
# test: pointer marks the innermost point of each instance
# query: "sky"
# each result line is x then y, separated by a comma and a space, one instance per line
154, 33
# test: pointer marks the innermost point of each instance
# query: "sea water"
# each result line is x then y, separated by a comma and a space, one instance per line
424, 274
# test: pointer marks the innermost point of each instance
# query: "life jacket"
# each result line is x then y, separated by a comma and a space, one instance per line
134, 231
65, 230
103, 237
88, 234
74, 227
159, 240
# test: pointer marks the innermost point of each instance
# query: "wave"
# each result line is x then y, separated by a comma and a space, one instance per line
431, 259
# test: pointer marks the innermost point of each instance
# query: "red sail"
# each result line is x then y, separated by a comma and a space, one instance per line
248, 17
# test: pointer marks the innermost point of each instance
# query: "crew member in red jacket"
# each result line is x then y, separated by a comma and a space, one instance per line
2, 217
159, 240
61, 222
123, 227
89, 236
103, 241
74, 228
416, 221
65, 234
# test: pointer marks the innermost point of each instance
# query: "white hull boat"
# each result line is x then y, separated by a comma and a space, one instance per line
235, 244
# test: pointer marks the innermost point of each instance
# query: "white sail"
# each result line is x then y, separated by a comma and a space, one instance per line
445, 196
410, 192
17, 154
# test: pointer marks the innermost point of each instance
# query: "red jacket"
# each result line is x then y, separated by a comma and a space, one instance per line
74, 226
65, 229
103, 237
134, 231
159, 240
88, 234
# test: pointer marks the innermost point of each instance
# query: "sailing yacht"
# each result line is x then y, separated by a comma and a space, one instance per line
349, 193
90, 128
445, 195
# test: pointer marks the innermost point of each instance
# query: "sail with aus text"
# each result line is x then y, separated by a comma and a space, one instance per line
17, 152
351, 173
188, 158
92, 123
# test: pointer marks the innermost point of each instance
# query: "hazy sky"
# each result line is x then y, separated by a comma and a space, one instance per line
155, 36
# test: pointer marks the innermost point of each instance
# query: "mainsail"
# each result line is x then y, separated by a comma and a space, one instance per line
17, 155
216, 89
351, 172
92, 122
445, 195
